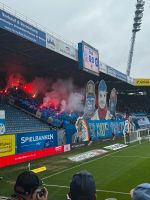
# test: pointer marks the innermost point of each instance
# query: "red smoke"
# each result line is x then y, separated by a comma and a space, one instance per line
38, 85
28, 88
14, 80
60, 95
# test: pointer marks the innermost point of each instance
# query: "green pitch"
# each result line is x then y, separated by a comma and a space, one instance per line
115, 173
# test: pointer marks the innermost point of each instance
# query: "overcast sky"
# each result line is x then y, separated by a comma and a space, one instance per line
104, 24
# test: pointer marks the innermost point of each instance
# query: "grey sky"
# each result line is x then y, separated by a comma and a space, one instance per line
104, 24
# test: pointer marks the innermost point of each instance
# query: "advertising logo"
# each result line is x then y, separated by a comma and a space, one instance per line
7, 145
34, 141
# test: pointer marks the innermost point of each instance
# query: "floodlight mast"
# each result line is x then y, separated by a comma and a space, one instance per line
136, 28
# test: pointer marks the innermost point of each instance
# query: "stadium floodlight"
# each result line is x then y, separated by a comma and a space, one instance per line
136, 24
136, 30
140, 4
137, 19
136, 27
139, 11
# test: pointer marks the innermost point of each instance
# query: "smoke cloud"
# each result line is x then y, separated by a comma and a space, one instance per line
62, 95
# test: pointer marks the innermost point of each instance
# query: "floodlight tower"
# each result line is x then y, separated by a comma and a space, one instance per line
136, 28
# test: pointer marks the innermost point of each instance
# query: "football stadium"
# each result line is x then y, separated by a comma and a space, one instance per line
63, 110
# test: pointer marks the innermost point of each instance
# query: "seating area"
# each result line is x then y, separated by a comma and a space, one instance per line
51, 115
19, 121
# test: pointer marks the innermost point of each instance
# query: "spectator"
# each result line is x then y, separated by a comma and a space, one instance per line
141, 192
28, 186
82, 187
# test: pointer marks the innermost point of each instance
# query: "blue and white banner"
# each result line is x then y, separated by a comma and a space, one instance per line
101, 129
140, 120
115, 73
2, 122
143, 122
36, 140
21, 28
97, 129
121, 76
70, 133
111, 71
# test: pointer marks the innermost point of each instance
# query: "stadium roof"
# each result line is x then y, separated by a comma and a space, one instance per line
37, 60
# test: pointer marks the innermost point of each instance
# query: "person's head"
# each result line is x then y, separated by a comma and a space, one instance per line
141, 192
82, 187
28, 186
130, 119
102, 94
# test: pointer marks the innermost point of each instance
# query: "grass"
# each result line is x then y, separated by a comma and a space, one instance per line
115, 173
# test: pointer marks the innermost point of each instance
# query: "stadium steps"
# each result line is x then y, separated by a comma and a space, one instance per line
18, 121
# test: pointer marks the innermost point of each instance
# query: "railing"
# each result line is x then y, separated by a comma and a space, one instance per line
34, 23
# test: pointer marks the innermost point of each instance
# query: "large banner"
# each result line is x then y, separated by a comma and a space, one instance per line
90, 100
113, 103
105, 129
27, 156
36, 140
102, 111
94, 130
7, 145
104, 115
21, 28
71, 133
2, 122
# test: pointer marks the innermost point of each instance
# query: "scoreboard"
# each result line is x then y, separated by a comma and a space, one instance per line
88, 58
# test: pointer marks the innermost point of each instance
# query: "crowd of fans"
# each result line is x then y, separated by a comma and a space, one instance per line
54, 116
29, 186
58, 119
131, 104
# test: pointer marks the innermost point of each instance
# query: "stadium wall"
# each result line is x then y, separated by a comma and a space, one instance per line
27, 156
22, 147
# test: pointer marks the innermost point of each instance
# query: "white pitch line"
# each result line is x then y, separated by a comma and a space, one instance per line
111, 191
98, 190
76, 166
130, 156
60, 186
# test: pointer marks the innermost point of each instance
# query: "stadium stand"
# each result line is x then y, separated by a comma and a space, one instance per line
129, 104
18, 103
19, 121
